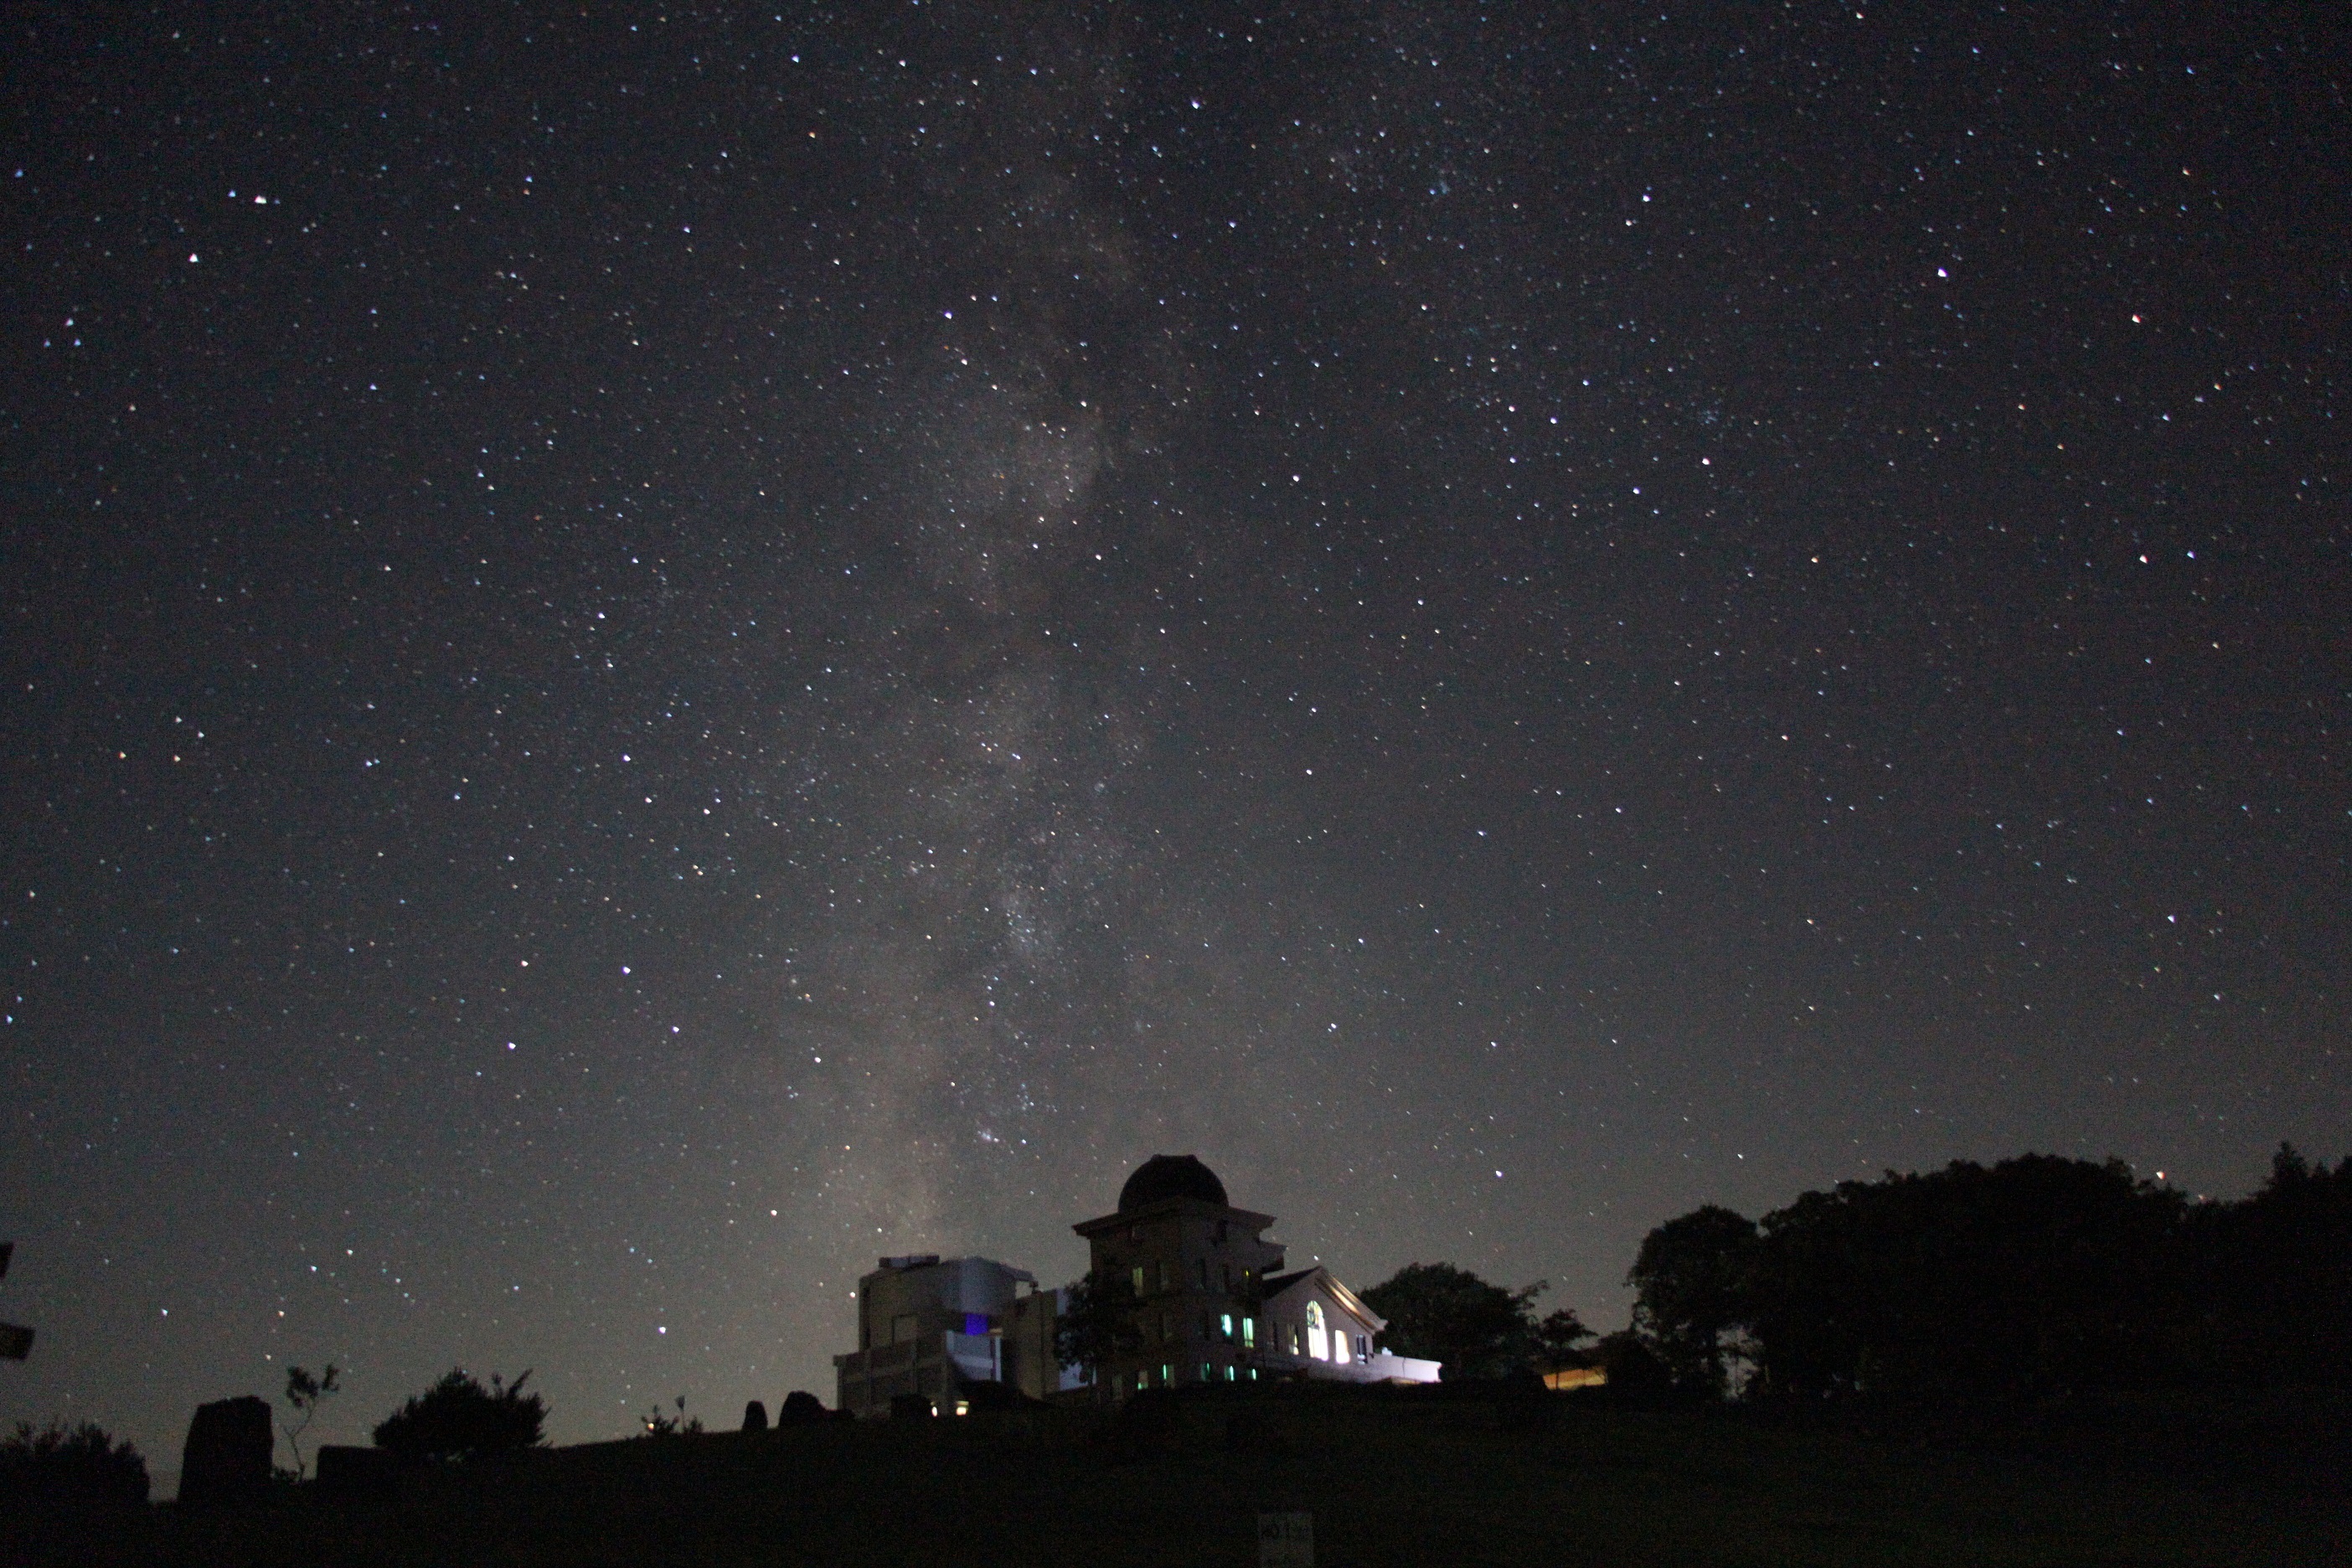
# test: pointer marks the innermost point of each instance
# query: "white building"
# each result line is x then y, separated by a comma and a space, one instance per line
1315, 1325
1211, 1307
934, 1328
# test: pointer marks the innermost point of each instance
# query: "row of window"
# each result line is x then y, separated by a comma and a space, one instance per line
1144, 1276
1210, 1373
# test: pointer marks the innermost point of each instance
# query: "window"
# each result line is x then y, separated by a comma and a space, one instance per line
1207, 1372
1249, 1332
1363, 1347
1201, 1266
1139, 1278
1167, 1374
1291, 1331
1314, 1337
1229, 1377
1225, 1327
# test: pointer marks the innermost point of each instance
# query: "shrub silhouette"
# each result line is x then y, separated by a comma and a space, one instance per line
1472, 1329
1097, 1323
457, 1418
57, 1464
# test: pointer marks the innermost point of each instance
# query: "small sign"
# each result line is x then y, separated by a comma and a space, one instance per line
1285, 1540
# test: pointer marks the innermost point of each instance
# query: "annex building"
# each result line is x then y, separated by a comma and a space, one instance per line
1214, 1304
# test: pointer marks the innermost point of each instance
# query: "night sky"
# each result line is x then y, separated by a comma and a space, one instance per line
650, 652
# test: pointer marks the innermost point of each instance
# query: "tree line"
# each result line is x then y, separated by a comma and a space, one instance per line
2032, 1277
2037, 1276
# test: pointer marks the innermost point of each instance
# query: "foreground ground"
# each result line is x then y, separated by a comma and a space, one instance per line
1390, 1480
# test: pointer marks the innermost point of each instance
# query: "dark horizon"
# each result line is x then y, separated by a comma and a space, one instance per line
651, 656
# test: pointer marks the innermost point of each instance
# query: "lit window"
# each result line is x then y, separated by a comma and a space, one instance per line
1225, 1325
1249, 1331
1291, 1330
1229, 1375
1206, 1372
1314, 1337
1139, 1278
963, 1406
1363, 1348
1167, 1374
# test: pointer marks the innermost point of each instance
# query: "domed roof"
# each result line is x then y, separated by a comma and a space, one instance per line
1167, 1176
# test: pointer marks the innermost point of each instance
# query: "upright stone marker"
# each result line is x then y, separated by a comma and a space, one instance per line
15, 1343
1285, 1540
230, 1445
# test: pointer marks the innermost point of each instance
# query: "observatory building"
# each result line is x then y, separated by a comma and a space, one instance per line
1212, 1305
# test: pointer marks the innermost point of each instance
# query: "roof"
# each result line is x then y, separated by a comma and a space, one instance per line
1275, 1285
1165, 1177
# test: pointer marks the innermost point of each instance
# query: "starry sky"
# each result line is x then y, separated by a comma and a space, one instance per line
651, 650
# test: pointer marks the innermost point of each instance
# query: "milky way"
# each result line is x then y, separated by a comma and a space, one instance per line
651, 654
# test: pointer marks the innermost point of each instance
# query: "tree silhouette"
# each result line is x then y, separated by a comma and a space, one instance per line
2278, 1266
1558, 1338
304, 1393
1441, 1313
1691, 1294
1097, 1323
457, 1418
59, 1464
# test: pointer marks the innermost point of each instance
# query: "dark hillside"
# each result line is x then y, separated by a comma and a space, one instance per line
1461, 1475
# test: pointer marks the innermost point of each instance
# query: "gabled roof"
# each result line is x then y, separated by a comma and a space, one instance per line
1283, 1284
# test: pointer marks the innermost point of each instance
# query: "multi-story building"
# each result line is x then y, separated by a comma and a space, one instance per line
1197, 1266
932, 1328
1211, 1305
1211, 1302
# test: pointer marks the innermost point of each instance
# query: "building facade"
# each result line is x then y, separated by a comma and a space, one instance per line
1211, 1306
1315, 1325
935, 1329
1196, 1265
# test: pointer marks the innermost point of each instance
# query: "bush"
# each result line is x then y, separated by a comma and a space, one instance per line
1472, 1329
800, 1407
57, 1464
457, 1418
